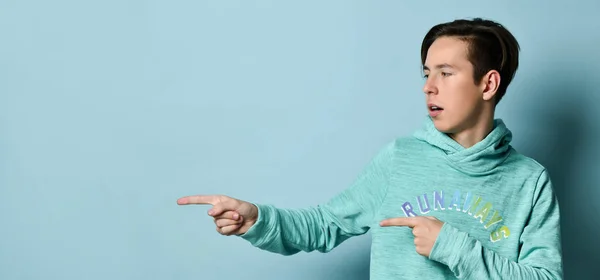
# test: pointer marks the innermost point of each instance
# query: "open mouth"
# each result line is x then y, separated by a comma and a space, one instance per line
435, 108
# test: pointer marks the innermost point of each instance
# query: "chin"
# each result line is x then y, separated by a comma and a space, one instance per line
443, 127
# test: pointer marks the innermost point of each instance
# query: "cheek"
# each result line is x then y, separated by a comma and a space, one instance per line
466, 94
463, 100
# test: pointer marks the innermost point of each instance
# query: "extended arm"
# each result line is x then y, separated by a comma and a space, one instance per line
322, 228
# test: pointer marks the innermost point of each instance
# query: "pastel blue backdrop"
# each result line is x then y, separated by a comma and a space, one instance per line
111, 110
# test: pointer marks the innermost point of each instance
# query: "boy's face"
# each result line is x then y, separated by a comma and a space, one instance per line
454, 100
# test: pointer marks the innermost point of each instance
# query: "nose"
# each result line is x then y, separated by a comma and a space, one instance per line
429, 87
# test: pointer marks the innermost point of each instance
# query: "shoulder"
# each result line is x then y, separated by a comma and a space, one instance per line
523, 164
402, 150
406, 144
536, 176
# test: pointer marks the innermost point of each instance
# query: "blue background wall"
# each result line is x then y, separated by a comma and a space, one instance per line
111, 110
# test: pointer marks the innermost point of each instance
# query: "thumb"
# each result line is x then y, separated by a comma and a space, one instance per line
225, 204
216, 210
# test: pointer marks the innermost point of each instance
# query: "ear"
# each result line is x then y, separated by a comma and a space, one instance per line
489, 84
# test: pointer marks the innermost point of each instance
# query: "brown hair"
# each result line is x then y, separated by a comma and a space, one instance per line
491, 47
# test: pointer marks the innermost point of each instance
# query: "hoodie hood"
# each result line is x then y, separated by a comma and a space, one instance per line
479, 159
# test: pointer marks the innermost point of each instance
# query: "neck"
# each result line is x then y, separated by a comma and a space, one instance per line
475, 132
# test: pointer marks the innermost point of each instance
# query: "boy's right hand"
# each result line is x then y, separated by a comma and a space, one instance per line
232, 216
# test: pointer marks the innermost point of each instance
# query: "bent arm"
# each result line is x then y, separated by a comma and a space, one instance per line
540, 256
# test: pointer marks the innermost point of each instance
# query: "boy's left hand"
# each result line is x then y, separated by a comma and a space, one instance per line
425, 230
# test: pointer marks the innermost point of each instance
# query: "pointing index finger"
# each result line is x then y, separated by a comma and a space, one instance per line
400, 221
198, 199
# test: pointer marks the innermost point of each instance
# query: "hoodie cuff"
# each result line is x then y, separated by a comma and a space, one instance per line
446, 248
258, 233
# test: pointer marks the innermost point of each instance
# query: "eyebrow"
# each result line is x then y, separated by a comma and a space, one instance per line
439, 66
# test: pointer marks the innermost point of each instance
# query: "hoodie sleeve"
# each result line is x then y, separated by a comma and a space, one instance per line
540, 256
324, 227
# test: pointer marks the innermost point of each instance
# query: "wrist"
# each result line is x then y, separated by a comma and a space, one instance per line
254, 213
260, 224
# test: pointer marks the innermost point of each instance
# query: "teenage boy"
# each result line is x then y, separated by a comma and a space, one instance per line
453, 200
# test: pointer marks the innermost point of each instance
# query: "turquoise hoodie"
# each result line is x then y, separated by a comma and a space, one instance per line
500, 212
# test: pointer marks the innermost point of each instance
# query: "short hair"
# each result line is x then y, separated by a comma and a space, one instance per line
490, 47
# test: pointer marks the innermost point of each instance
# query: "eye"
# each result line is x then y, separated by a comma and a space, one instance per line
446, 74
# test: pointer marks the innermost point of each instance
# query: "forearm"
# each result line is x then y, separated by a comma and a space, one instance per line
288, 232
467, 258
